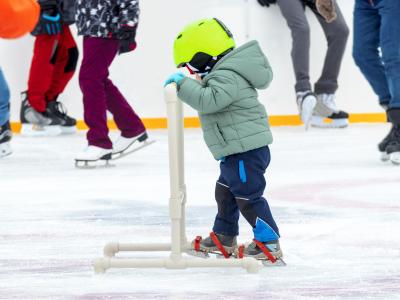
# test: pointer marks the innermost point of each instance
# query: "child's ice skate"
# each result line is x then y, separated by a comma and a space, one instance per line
68, 124
5, 137
124, 146
269, 253
326, 109
91, 155
219, 244
306, 102
35, 123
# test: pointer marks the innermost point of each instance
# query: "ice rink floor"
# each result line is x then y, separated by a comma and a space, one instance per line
337, 205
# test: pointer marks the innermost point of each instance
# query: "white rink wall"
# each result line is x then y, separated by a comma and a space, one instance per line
140, 75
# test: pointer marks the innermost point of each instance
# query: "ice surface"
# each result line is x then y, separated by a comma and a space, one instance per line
337, 205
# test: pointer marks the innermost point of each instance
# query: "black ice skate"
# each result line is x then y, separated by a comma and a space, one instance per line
269, 253
68, 124
35, 123
326, 109
216, 243
393, 148
5, 138
384, 143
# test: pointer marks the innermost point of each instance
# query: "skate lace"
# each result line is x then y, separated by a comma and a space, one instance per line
60, 109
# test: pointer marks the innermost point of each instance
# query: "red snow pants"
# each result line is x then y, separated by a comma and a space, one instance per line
53, 65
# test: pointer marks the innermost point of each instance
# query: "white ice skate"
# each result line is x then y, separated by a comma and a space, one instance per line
124, 146
5, 149
91, 155
306, 102
326, 110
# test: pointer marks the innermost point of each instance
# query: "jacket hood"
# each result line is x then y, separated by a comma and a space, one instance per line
249, 62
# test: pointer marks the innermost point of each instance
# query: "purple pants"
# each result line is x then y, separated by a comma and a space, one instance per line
100, 94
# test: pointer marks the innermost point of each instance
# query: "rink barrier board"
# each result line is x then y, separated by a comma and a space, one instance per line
193, 122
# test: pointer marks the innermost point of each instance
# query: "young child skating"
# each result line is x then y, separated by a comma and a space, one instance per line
108, 29
236, 130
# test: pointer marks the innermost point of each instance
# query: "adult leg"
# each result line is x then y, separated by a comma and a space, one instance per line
389, 12
41, 71
336, 34
293, 12
98, 54
64, 61
4, 100
367, 22
128, 122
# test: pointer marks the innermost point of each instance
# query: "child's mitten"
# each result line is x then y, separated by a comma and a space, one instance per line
176, 77
127, 39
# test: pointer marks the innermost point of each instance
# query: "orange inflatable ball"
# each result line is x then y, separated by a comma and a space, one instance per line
18, 17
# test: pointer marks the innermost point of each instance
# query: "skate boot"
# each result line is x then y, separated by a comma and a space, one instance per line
326, 109
5, 138
123, 144
393, 148
306, 102
68, 124
383, 145
216, 243
35, 123
92, 154
269, 252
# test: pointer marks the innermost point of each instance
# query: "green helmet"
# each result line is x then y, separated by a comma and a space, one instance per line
207, 36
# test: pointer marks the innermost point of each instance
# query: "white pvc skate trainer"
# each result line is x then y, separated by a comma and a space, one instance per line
5, 149
92, 154
34, 130
306, 102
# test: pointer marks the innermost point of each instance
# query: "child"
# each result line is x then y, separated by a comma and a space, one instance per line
5, 131
54, 61
108, 29
236, 130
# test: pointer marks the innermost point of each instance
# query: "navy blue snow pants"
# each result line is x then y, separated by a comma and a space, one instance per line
240, 187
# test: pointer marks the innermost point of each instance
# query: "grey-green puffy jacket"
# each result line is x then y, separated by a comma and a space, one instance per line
232, 118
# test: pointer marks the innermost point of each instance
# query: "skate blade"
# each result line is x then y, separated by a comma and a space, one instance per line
320, 122
68, 130
279, 263
385, 157
90, 165
395, 158
132, 150
200, 254
33, 130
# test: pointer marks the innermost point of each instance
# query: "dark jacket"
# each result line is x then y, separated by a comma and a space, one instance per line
104, 18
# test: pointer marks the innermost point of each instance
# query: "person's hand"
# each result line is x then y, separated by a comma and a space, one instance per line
327, 9
266, 3
50, 18
174, 78
127, 39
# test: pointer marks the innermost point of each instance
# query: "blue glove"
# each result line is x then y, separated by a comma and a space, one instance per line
176, 77
51, 24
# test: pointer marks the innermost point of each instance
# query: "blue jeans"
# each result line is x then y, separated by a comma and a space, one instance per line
240, 188
376, 47
4, 100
